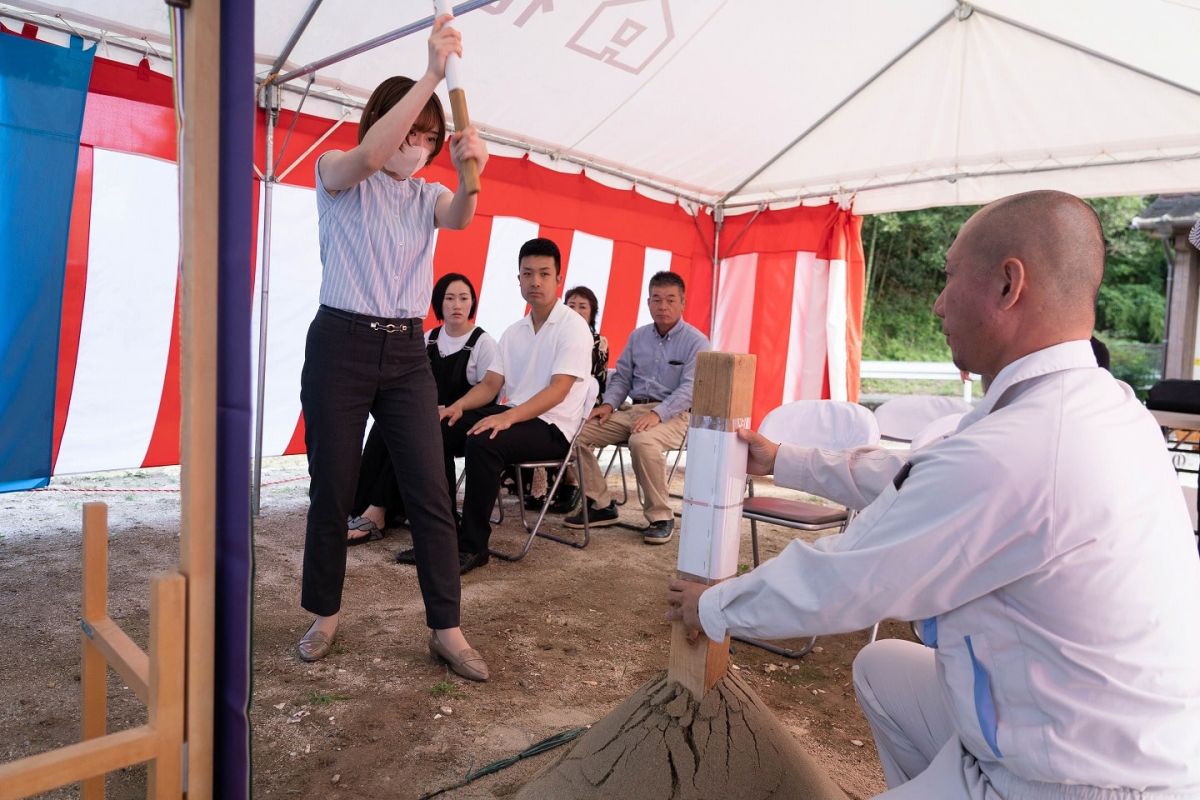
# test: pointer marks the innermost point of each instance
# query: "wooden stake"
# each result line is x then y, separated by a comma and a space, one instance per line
93, 674
198, 346
167, 614
722, 401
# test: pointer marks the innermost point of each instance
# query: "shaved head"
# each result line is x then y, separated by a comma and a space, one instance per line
1022, 275
1056, 235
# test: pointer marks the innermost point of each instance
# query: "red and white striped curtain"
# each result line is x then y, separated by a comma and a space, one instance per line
794, 277
801, 273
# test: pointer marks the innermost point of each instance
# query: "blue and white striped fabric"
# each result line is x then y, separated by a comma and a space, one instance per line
377, 245
42, 92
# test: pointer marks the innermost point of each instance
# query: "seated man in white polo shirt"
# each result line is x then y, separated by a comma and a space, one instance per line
540, 373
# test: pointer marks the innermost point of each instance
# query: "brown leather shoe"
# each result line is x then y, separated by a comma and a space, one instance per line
467, 663
314, 645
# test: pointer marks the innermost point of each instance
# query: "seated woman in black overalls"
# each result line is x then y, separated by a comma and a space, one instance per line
459, 353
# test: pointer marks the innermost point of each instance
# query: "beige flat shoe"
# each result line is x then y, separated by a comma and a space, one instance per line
314, 645
467, 663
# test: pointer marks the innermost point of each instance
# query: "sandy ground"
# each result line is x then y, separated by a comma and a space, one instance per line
568, 635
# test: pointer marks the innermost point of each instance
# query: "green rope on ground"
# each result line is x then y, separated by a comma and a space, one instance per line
557, 740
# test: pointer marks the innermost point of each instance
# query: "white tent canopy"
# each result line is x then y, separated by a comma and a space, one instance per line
896, 105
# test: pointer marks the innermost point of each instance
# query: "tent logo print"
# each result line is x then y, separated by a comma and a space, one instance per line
627, 34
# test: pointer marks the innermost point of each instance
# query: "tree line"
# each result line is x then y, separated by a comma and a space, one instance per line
905, 254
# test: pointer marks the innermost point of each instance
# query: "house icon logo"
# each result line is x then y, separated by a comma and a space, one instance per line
627, 34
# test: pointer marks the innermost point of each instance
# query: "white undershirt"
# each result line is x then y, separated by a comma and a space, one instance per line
483, 355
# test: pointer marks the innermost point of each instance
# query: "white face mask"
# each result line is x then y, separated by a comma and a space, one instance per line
407, 161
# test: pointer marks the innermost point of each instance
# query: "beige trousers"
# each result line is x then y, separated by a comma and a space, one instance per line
647, 450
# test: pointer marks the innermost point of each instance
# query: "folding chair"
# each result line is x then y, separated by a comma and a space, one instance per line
901, 418
571, 457
937, 430
828, 424
618, 456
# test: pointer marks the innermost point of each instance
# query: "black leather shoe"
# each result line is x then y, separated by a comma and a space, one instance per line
408, 556
533, 503
565, 500
597, 517
659, 532
470, 561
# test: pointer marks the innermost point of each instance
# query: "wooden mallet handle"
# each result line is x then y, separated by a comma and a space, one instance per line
458, 103
462, 120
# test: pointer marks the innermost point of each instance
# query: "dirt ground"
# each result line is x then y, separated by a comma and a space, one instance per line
568, 635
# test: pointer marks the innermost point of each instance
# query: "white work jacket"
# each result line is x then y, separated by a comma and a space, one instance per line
1047, 545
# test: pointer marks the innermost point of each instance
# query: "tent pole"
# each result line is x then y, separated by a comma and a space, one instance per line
371, 44
270, 102
841, 104
718, 221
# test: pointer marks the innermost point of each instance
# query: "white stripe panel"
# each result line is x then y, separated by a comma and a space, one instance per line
128, 305
656, 261
812, 369
835, 329
801, 289
735, 303
590, 264
295, 285
500, 301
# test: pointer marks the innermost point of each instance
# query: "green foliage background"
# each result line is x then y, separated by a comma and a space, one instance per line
905, 253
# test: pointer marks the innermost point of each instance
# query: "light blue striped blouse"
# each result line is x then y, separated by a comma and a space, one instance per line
377, 245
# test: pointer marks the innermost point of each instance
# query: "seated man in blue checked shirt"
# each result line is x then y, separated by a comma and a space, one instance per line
655, 372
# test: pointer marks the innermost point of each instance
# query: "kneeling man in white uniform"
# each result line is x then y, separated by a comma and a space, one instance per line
1044, 547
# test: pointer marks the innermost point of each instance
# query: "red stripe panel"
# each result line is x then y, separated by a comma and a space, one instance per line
770, 328
164, 442
697, 276
125, 80
256, 188
128, 126
804, 228
563, 237
624, 298
462, 251
74, 289
296, 445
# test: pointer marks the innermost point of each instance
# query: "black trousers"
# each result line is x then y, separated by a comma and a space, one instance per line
532, 440
377, 484
351, 371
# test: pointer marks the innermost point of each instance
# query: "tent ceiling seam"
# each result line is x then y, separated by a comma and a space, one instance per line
842, 103
957, 176
1087, 51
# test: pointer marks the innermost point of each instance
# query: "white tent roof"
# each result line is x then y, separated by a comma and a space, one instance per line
900, 105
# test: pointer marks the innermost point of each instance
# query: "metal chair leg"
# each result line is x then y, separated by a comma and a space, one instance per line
618, 455
535, 530
576, 543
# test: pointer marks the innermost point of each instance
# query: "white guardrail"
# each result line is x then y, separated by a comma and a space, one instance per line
911, 370
916, 371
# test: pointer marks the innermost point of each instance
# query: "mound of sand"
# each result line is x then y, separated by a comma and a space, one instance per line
662, 743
